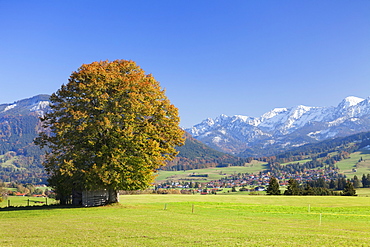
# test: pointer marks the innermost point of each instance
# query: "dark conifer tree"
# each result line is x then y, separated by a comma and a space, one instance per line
308, 190
356, 182
341, 183
273, 187
364, 181
349, 190
293, 188
332, 184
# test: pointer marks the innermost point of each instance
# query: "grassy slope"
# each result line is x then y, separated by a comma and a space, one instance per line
218, 220
9, 162
299, 161
363, 167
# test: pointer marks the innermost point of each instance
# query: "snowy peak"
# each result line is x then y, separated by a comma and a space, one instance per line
41, 105
284, 120
9, 107
273, 113
349, 101
285, 127
37, 104
298, 111
202, 127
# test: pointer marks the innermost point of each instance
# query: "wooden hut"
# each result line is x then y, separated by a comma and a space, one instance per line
91, 198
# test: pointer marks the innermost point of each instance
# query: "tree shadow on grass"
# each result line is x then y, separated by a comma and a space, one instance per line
37, 207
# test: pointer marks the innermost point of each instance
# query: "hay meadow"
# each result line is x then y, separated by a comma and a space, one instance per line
194, 220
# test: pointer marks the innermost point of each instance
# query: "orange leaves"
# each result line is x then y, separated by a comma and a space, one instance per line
114, 124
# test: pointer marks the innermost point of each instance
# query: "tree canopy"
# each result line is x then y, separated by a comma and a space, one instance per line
293, 188
273, 187
349, 189
111, 127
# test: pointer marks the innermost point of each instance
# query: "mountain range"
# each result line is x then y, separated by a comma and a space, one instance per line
277, 131
20, 159
283, 128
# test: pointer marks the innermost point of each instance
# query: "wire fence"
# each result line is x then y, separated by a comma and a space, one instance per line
25, 201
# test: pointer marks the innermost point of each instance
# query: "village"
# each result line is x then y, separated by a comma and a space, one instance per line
250, 182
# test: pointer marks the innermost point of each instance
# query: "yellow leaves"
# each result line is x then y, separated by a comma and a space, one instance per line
67, 167
115, 122
107, 123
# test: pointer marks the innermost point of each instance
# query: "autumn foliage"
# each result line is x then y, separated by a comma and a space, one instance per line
112, 126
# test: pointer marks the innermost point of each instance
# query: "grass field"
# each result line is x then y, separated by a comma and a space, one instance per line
194, 220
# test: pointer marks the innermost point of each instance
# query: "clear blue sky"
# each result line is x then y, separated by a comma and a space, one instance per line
212, 57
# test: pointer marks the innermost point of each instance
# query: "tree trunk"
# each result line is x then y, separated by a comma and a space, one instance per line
76, 197
113, 196
63, 199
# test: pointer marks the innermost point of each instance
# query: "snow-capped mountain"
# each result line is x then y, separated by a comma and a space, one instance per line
36, 105
282, 128
20, 124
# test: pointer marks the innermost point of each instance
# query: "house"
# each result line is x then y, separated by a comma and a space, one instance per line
259, 188
38, 195
20, 194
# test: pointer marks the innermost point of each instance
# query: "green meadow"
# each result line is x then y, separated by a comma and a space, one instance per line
346, 166
194, 220
225, 219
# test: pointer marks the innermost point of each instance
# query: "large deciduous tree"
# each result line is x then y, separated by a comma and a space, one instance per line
111, 127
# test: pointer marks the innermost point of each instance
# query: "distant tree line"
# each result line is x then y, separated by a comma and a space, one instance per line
313, 187
184, 163
365, 181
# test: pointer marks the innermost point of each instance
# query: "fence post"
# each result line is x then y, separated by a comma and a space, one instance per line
28, 202
8, 203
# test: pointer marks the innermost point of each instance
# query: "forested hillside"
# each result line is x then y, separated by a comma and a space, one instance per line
20, 159
325, 148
